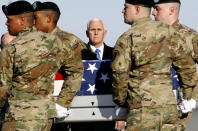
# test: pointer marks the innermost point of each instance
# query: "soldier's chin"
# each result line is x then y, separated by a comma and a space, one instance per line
12, 33
127, 22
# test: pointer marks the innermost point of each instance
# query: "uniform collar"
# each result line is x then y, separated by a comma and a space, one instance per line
141, 20
101, 48
176, 22
55, 30
28, 29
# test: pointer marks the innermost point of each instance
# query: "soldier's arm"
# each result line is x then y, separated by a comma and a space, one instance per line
73, 71
121, 66
77, 46
195, 47
6, 72
185, 67
195, 58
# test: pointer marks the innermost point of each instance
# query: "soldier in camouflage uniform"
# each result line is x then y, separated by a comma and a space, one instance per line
167, 11
141, 65
189, 35
46, 17
27, 72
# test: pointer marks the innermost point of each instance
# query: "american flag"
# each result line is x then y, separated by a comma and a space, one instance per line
175, 79
96, 78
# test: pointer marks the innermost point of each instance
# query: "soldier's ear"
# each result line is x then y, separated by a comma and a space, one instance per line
172, 10
137, 8
49, 18
22, 20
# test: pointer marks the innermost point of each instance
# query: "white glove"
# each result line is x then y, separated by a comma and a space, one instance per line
185, 107
188, 106
62, 112
120, 111
192, 103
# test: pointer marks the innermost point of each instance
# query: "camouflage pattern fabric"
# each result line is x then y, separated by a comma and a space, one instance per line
27, 72
73, 77
190, 37
76, 43
141, 65
37, 125
154, 118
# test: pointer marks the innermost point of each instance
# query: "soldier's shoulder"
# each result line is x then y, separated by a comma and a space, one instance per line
151, 24
152, 28
66, 35
70, 38
149, 28
185, 29
34, 36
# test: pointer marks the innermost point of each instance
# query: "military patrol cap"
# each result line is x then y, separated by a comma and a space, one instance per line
145, 3
17, 8
166, 1
39, 6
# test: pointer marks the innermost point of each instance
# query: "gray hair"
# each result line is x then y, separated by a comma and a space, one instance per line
92, 20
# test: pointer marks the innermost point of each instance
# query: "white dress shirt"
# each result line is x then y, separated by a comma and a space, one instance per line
101, 48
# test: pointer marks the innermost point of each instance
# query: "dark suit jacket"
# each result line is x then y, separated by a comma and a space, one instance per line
88, 54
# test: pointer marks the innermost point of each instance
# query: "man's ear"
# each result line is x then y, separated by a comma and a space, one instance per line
137, 9
171, 10
105, 33
49, 18
22, 20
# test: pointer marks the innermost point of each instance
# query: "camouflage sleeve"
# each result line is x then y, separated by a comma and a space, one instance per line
6, 72
73, 71
121, 65
195, 58
195, 93
185, 67
195, 47
82, 44
77, 45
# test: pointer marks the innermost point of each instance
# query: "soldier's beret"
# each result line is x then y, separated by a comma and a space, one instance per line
166, 1
17, 8
145, 3
39, 6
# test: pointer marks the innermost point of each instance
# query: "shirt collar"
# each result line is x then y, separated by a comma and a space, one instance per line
101, 48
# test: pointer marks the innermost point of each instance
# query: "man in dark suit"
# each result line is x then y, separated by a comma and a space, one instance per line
96, 50
96, 33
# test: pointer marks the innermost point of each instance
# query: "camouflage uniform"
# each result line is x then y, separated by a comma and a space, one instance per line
190, 37
191, 45
141, 74
76, 44
27, 72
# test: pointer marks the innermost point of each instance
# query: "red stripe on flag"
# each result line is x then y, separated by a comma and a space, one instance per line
59, 76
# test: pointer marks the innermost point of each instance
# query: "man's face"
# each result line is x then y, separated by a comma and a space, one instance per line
40, 21
14, 24
161, 13
96, 33
129, 13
